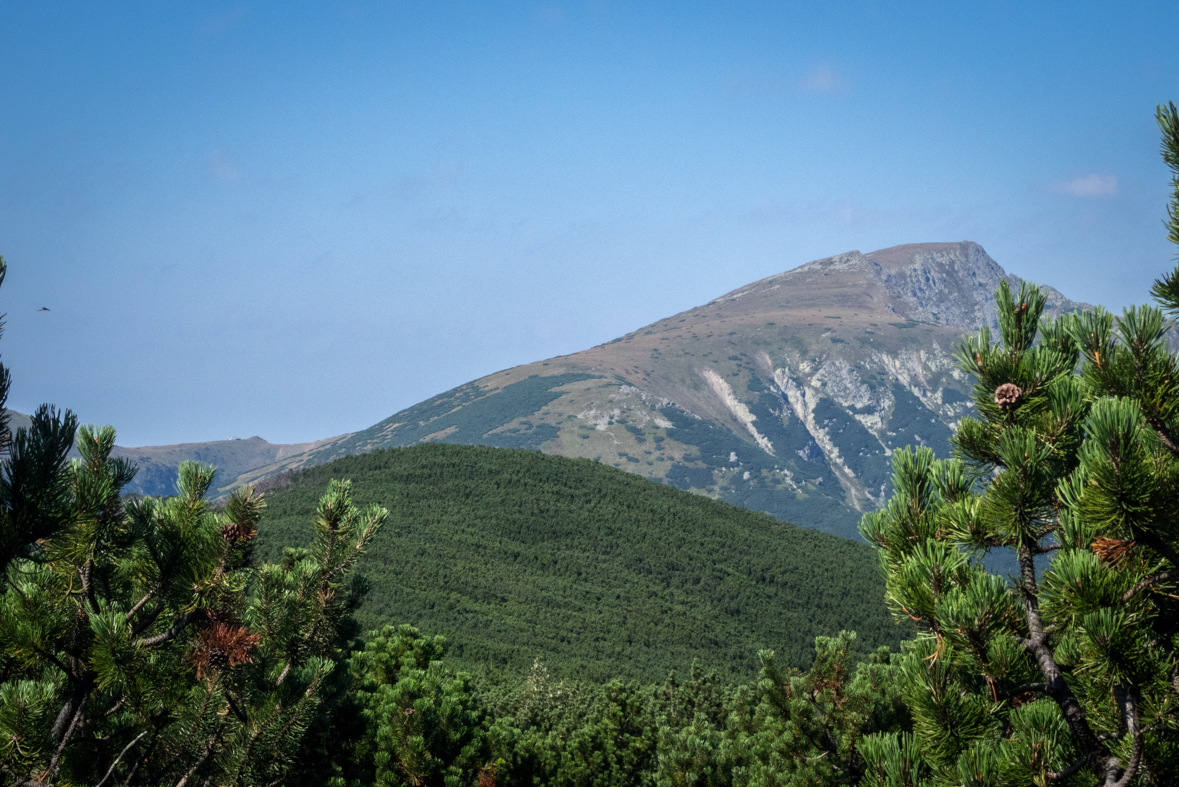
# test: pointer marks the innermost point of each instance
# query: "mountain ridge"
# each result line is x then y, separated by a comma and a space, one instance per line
786, 395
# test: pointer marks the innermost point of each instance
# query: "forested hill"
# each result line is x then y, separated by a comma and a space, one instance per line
515, 556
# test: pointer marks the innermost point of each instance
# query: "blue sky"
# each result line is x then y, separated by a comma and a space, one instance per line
294, 219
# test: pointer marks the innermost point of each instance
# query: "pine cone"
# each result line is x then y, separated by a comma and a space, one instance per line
1008, 396
234, 533
1023, 699
217, 658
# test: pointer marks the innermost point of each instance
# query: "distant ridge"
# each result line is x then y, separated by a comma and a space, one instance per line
158, 464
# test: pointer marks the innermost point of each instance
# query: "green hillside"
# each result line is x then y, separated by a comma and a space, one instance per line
515, 555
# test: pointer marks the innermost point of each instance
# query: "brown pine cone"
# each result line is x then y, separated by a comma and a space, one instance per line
234, 533
1008, 396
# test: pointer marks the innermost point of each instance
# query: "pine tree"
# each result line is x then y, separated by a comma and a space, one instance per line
817, 720
139, 642
423, 727
1066, 674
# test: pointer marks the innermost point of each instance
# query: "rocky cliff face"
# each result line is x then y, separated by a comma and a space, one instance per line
943, 283
787, 395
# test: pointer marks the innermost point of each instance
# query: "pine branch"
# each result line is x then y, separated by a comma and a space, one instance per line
111, 770
169, 635
1164, 434
259, 728
1129, 702
210, 747
236, 710
67, 710
147, 622
821, 717
146, 598
76, 724
52, 657
195, 728
29, 609
86, 574
1070, 770
1157, 544
1161, 576
1041, 688
1055, 685
156, 726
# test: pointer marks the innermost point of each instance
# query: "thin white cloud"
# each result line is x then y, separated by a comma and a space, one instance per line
822, 78
843, 214
222, 168
1089, 186
549, 14
219, 23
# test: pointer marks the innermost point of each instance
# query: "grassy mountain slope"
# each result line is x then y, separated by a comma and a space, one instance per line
516, 555
785, 396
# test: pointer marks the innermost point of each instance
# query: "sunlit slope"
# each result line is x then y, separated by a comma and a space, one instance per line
786, 396
517, 556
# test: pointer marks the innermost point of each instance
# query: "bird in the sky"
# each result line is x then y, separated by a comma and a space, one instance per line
43, 309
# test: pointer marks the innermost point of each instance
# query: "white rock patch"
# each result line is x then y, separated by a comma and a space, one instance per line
736, 407
843, 384
802, 401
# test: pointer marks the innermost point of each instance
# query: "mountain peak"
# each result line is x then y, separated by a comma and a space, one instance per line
948, 254
951, 284
787, 395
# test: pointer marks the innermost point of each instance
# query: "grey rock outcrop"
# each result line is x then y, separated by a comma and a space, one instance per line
950, 284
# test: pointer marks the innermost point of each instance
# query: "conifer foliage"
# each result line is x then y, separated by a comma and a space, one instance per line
1066, 674
423, 727
139, 643
821, 717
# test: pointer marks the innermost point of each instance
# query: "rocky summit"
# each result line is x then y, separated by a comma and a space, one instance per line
786, 396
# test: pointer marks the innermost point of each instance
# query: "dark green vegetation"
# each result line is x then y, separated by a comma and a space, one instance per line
1069, 674
599, 573
428, 726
